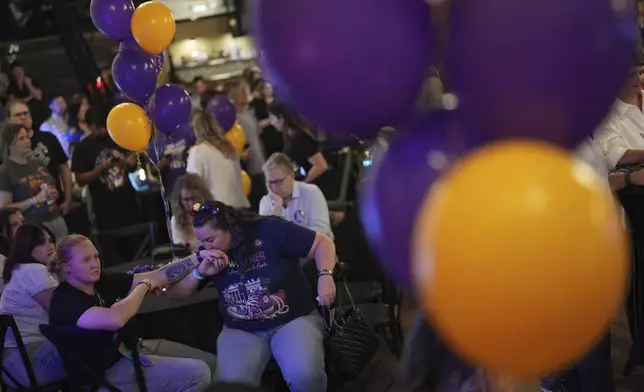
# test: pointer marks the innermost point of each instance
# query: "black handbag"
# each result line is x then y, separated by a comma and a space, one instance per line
350, 341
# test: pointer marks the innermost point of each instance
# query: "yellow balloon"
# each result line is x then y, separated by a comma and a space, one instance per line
246, 185
520, 258
237, 137
129, 126
153, 26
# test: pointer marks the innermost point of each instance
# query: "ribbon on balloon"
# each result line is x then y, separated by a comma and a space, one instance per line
144, 34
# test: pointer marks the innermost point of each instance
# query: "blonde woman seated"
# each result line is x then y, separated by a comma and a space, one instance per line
189, 189
214, 158
105, 301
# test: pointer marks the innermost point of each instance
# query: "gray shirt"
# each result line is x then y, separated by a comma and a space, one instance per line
256, 159
27, 280
25, 181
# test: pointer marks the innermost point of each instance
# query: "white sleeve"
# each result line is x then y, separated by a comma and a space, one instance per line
177, 235
319, 214
193, 165
265, 205
611, 143
35, 278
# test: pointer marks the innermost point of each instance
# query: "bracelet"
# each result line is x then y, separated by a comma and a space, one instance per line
32, 201
197, 275
325, 272
145, 283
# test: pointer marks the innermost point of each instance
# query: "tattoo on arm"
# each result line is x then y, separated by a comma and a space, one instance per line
176, 271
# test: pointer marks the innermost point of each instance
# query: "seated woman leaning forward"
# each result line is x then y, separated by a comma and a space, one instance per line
93, 300
265, 300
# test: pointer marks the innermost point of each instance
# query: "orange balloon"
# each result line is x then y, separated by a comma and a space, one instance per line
153, 26
520, 258
129, 126
246, 185
237, 137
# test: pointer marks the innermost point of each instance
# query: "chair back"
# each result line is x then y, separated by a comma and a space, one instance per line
7, 322
90, 370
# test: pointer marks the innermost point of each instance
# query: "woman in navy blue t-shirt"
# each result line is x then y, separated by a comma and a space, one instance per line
265, 300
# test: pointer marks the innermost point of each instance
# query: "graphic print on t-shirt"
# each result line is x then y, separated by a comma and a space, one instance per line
113, 177
34, 183
40, 153
174, 152
250, 298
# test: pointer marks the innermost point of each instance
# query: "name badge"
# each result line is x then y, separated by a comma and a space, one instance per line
299, 216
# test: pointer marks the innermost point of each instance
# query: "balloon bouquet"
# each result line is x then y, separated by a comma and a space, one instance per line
144, 33
515, 249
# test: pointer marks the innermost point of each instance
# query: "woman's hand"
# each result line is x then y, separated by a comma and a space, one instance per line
154, 284
41, 197
326, 290
214, 261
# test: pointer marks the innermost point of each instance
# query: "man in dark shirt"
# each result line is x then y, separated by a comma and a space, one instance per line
25, 88
47, 150
99, 163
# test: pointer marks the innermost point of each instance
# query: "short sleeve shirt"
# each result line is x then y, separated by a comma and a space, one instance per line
69, 303
17, 299
25, 181
274, 290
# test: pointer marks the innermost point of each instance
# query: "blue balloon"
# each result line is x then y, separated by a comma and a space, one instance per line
399, 180
135, 75
223, 110
547, 69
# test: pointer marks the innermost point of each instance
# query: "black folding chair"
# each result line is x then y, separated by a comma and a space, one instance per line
68, 338
7, 322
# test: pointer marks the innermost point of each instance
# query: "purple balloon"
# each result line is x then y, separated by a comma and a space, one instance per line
130, 44
135, 75
539, 69
172, 108
390, 201
223, 110
350, 66
112, 17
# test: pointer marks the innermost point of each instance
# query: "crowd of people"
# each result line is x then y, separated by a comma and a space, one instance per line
248, 247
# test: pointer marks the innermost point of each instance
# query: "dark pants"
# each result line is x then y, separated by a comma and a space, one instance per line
593, 373
257, 190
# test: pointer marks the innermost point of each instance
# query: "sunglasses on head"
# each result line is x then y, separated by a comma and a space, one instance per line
198, 208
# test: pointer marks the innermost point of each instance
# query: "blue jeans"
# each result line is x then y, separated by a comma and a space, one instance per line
297, 347
47, 365
593, 373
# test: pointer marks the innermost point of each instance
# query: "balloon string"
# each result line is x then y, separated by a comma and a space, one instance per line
164, 195
166, 206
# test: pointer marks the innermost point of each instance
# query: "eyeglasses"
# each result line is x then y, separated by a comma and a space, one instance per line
22, 114
200, 207
278, 181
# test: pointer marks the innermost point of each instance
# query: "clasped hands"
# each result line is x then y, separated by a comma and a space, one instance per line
213, 262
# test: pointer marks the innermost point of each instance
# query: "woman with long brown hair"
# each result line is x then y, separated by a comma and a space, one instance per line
214, 158
188, 190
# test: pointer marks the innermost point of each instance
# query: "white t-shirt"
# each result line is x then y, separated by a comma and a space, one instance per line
27, 280
222, 175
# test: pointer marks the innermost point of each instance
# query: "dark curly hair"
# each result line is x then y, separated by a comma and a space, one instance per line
241, 224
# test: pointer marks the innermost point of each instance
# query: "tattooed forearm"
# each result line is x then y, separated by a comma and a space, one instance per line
174, 272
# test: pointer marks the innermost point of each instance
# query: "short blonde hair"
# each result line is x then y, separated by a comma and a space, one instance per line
64, 251
279, 159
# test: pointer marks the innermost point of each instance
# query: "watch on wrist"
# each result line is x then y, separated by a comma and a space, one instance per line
325, 272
